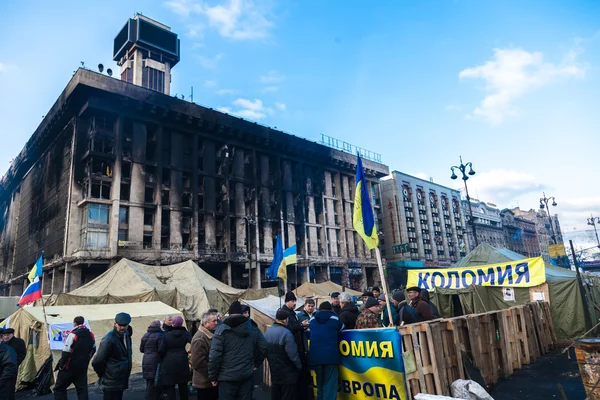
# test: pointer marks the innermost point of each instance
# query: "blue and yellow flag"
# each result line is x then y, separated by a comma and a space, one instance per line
290, 256
37, 270
278, 268
363, 219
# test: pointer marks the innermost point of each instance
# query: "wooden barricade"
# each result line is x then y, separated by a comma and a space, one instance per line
483, 345
549, 324
504, 346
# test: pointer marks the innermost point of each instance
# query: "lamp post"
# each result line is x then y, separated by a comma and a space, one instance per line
544, 204
593, 221
465, 176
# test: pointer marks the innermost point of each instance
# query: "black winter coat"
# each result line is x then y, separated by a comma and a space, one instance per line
18, 345
154, 347
284, 361
112, 362
8, 370
237, 347
348, 315
175, 368
295, 326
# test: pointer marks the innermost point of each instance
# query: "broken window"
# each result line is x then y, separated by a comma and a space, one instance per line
148, 217
125, 192
149, 195
100, 190
147, 241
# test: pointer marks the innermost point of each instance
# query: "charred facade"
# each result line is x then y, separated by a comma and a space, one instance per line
118, 170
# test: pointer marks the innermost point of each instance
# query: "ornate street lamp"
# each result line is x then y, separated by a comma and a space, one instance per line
593, 221
465, 176
544, 204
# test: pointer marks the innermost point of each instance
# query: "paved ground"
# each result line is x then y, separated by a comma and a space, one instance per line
534, 382
540, 380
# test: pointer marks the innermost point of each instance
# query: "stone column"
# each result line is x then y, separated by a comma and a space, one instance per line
175, 191
241, 223
265, 205
210, 195
115, 189
138, 183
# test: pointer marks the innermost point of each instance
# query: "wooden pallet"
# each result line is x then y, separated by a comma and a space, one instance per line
549, 324
532, 340
419, 339
483, 345
521, 330
511, 329
503, 347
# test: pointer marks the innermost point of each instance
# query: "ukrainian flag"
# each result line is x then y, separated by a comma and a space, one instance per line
36, 271
290, 256
363, 219
277, 268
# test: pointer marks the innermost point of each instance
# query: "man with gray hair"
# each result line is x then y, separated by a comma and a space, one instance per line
200, 351
348, 312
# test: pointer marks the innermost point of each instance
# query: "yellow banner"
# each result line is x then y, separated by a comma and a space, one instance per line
522, 273
557, 250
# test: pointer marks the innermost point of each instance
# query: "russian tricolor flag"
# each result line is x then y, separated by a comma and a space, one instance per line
32, 293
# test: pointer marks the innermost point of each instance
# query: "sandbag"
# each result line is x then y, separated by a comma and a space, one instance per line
469, 390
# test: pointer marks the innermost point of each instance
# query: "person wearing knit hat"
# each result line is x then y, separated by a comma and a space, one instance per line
376, 291
406, 314
324, 356
298, 329
369, 317
284, 360
237, 349
174, 368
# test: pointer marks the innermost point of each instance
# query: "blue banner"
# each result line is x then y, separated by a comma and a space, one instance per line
371, 366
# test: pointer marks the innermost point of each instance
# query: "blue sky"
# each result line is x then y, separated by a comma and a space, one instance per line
512, 86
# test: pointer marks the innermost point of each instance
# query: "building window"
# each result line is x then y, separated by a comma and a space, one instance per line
123, 224
153, 79
123, 215
95, 227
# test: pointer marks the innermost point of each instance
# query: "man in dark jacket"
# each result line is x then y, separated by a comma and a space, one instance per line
349, 311
421, 306
385, 318
406, 314
112, 363
237, 349
298, 329
77, 352
284, 361
8, 370
324, 356
17, 344
153, 347
434, 309
307, 311
335, 302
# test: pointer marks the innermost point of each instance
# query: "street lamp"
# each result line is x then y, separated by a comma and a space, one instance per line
463, 168
593, 221
544, 204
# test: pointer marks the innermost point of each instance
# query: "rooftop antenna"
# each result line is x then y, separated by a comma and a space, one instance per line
192, 95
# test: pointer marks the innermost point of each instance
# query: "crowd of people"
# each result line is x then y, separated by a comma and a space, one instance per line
223, 355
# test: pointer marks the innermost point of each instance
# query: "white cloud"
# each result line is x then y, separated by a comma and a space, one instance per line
210, 84
582, 204
270, 89
272, 77
502, 186
210, 62
511, 74
250, 109
236, 19
222, 92
280, 106
6, 67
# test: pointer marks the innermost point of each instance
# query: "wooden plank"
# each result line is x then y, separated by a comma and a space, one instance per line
434, 338
532, 341
457, 327
548, 315
415, 380
503, 343
513, 326
522, 332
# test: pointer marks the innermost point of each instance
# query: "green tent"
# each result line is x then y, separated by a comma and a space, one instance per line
566, 302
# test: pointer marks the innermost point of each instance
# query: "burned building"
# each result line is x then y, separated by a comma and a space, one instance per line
118, 168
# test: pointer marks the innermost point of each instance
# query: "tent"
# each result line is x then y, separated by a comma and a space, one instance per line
263, 311
561, 290
28, 323
184, 286
322, 290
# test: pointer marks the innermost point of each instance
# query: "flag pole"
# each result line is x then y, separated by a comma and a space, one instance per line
384, 285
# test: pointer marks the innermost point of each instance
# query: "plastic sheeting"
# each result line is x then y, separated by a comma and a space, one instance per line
8, 305
29, 325
263, 311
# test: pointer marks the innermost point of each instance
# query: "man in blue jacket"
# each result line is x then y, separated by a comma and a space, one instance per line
324, 354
